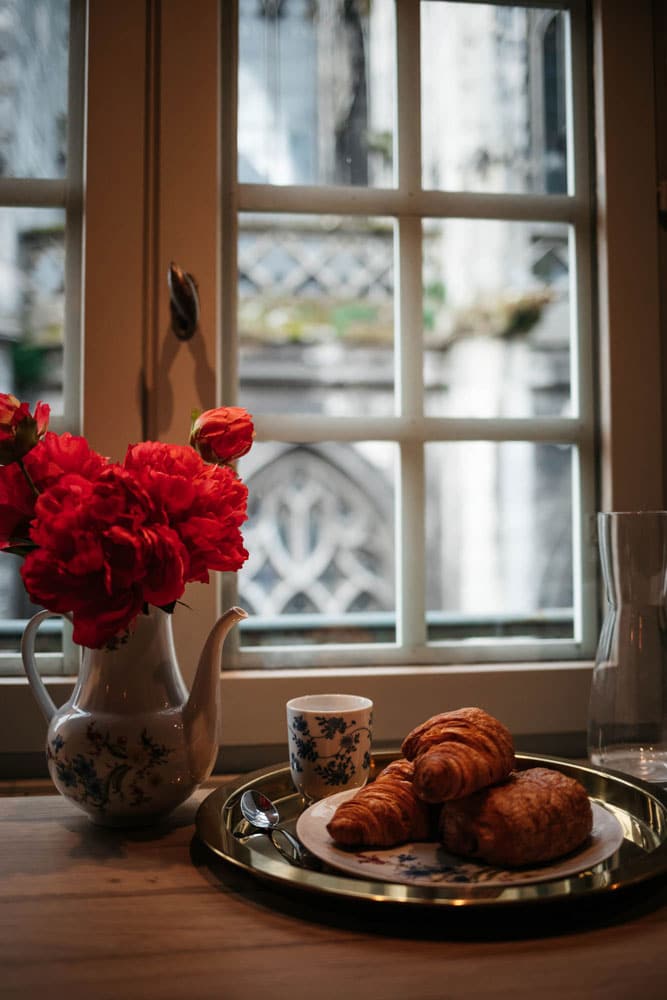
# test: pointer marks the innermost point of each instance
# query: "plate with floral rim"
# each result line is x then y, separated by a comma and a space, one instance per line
429, 864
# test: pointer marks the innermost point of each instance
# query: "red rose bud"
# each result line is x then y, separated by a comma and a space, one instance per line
20, 430
222, 435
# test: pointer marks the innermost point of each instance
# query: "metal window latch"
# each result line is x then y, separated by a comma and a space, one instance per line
183, 302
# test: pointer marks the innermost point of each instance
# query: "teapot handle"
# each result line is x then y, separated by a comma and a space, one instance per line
42, 696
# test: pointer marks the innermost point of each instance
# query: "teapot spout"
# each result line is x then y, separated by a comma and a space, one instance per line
200, 714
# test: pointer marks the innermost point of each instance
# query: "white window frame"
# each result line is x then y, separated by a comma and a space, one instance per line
408, 204
165, 202
65, 194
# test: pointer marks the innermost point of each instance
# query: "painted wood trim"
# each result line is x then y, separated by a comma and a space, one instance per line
531, 698
114, 254
184, 225
629, 380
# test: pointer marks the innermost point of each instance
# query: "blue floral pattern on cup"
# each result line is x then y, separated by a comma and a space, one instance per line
334, 769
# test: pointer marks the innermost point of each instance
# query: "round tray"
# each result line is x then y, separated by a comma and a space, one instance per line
640, 809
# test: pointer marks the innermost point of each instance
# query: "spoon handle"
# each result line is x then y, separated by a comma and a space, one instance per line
297, 847
297, 855
279, 839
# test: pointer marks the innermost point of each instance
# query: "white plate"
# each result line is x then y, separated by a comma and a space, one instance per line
430, 864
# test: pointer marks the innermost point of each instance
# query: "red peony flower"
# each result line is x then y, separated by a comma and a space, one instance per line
58, 454
102, 541
204, 504
19, 429
222, 435
104, 550
54, 456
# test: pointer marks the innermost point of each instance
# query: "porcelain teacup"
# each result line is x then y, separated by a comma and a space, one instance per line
329, 741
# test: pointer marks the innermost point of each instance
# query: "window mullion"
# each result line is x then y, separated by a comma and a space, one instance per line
581, 374
411, 428
333, 200
32, 192
408, 340
72, 339
227, 354
74, 219
408, 97
411, 494
584, 499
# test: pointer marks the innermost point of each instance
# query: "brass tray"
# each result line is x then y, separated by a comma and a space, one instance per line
640, 808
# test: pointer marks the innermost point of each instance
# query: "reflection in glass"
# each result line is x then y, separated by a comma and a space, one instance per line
316, 314
499, 538
496, 318
316, 92
321, 543
493, 98
33, 87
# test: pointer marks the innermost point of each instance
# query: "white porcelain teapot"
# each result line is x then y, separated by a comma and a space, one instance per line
131, 744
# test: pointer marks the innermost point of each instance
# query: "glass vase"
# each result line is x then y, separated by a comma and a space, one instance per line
627, 719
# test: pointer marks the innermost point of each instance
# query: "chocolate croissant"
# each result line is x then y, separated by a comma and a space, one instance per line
456, 753
384, 813
532, 817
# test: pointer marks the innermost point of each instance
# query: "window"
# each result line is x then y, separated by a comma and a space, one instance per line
41, 73
273, 199
414, 330
162, 131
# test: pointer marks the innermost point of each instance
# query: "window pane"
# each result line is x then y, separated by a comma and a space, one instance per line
32, 293
32, 303
33, 87
496, 318
499, 535
316, 92
316, 314
494, 108
320, 535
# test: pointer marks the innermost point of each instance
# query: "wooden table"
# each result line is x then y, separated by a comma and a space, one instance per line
93, 913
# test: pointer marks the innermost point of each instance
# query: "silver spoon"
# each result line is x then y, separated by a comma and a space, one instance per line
263, 814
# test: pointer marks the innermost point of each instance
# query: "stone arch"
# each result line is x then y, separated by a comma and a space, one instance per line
320, 533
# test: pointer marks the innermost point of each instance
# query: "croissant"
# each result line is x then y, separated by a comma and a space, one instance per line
533, 817
456, 753
400, 768
384, 813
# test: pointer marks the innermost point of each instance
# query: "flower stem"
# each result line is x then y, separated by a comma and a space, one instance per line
28, 477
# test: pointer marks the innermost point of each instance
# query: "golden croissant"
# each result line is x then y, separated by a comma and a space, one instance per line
456, 753
532, 817
384, 813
